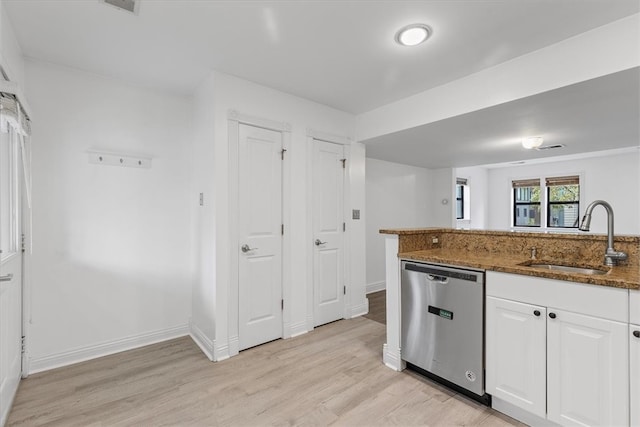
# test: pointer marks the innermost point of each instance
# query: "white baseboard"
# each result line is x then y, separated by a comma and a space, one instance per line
201, 339
299, 328
82, 354
392, 358
234, 345
360, 309
376, 287
221, 350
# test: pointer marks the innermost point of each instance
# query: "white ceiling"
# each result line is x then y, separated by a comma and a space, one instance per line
598, 114
338, 53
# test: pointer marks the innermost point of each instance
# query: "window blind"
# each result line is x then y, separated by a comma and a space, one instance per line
461, 181
525, 183
563, 180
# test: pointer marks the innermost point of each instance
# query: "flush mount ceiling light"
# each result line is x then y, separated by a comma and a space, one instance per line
532, 142
413, 35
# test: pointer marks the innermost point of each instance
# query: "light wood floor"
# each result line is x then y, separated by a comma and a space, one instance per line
333, 375
377, 307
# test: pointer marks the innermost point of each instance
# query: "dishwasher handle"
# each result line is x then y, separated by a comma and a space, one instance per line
439, 279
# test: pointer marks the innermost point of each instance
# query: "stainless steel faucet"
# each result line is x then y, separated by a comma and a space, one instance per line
611, 257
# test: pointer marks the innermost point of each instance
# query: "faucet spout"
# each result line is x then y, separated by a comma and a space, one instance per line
611, 256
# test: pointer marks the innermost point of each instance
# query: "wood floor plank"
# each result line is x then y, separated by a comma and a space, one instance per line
331, 376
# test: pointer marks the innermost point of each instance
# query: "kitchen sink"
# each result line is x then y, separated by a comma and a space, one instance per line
565, 268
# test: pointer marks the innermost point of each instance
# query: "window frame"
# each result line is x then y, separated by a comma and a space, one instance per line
515, 204
545, 201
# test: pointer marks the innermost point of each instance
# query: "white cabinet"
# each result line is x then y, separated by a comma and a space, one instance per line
634, 373
558, 350
634, 356
516, 354
585, 382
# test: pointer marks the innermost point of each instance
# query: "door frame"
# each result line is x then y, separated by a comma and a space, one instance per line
234, 120
314, 135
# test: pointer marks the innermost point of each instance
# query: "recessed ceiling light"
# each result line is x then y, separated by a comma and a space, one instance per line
413, 34
532, 142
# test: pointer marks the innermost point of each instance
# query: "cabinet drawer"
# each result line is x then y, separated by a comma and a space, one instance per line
599, 301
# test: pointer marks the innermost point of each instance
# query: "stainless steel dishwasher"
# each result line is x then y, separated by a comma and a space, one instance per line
442, 325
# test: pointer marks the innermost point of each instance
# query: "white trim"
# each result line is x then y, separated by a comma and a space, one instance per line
220, 351
82, 354
259, 122
299, 328
391, 358
360, 309
201, 339
328, 137
376, 287
234, 345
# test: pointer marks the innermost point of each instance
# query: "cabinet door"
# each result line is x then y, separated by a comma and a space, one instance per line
587, 370
516, 354
634, 374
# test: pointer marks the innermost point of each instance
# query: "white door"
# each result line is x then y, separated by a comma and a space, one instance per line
587, 370
634, 373
328, 231
260, 236
516, 353
10, 270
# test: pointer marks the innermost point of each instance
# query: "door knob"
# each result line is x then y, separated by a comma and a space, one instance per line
318, 242
246, 248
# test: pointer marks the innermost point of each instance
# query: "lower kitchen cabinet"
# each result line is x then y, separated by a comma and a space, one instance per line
516, 351
586, 380
634, 373
560, 351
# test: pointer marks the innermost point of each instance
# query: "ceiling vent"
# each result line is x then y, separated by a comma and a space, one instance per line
126, 5
550, 147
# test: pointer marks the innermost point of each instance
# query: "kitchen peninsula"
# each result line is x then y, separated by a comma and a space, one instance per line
533, 303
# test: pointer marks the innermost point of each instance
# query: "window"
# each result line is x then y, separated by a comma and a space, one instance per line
526, 203
460, 199
563, 206
560, 197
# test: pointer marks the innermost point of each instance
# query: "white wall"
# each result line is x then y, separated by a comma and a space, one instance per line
111, 249
443, 186
398, 196
231, 93
477, 181
10, 53
613, 178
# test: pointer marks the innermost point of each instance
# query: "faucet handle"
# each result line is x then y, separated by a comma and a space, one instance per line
612, 257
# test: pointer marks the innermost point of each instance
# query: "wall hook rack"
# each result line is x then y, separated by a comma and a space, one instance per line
114, 159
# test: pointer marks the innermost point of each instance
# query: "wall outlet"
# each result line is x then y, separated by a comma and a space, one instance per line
434, 240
